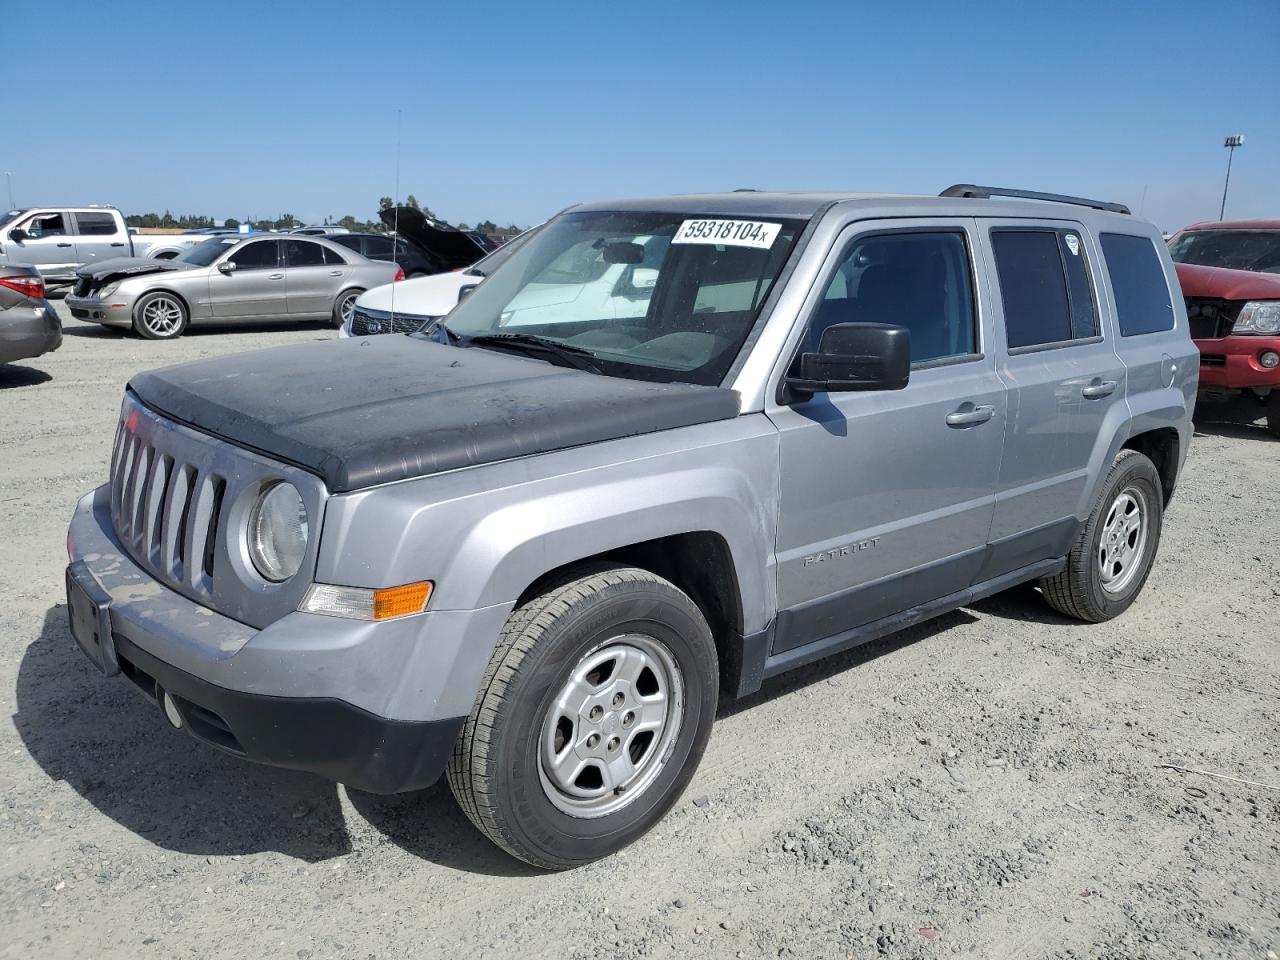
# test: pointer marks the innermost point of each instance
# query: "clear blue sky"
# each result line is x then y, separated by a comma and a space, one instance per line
513, 111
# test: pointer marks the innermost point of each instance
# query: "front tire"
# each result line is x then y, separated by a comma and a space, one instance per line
344, 305
1113, 555
593, 714
160, 316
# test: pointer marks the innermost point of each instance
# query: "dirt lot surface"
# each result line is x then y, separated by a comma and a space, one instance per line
988, 784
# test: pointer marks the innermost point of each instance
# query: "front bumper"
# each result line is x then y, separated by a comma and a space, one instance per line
27, 332
274, 695
115, 312
1232, 362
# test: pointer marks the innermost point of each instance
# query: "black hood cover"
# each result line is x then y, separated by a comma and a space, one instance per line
438, 240
363, 412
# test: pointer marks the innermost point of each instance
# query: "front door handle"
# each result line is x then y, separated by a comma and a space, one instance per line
1103, 388
968, 415
275, 276
118, 243
64, 244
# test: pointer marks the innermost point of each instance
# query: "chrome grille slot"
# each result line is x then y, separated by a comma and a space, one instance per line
179, 511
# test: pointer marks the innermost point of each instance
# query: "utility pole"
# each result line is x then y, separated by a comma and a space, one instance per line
8, 175
1230, 143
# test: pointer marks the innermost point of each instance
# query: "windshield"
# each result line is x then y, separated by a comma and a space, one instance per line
486, 265
207, 251
1257, 250
652, 296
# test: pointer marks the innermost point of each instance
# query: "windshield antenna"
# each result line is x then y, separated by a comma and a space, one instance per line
395, 220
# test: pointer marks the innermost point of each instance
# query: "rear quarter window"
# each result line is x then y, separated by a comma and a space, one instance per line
1143, 303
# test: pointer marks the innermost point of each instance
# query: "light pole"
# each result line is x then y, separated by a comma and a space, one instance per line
1230, 143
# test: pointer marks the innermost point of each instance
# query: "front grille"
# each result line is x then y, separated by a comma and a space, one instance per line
370, 323
1212, 317
1213, 360
165, 510
179, 501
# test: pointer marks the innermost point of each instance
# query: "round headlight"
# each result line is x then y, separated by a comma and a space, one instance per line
278, 532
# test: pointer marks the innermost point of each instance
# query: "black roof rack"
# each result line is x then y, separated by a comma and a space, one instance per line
986, 193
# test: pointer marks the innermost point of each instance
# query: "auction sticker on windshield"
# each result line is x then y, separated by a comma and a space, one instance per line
728, 233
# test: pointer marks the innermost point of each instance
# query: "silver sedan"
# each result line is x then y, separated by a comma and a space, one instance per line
228, 278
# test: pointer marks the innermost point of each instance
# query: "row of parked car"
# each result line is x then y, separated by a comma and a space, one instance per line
1229, 272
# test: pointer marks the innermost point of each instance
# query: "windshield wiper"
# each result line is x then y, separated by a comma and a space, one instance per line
568, 355
436, 328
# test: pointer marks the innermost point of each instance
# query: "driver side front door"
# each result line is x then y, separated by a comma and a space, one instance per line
256, 287
887, 497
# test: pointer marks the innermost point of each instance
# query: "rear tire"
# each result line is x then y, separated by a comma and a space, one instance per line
343, 306
160, 316
1113, 555
591, 719
1273, 412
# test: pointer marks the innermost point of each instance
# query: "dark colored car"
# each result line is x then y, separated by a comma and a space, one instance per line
375, 246
443, 246
1230, 277
28, 324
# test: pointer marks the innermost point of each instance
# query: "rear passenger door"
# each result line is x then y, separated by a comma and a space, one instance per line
886, 497
99, 236
314, 275
1056, 354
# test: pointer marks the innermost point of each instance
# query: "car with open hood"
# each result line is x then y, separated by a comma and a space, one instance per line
418, 301
1230, 277
533, 557
228, 278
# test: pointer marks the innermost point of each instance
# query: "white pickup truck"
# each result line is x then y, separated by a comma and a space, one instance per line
57, 241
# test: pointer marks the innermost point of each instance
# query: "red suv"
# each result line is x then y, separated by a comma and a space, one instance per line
1230, 276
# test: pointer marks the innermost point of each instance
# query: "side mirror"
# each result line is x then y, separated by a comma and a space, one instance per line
227, 267
855, 356
17, 235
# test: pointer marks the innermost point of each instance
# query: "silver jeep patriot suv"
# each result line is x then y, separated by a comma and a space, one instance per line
671, 448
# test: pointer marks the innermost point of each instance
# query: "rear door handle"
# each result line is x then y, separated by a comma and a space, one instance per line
969, 415
64, 244
275, 276
1103, 388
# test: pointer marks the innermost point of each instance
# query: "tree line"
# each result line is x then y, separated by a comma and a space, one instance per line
287, 221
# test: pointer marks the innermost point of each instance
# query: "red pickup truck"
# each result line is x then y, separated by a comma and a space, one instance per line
1230, 276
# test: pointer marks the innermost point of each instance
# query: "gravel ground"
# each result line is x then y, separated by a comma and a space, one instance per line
988, 784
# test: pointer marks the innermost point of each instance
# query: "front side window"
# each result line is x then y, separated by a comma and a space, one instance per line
918, 280
637, 293
1044, 285
257, 255
45, 225
95, 224
1138, 282
1257, 250
303, 253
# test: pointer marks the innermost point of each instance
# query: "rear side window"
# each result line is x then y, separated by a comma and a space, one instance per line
1142, 297
95, 224
333, 256
303, 253
1044, 286
377, 248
